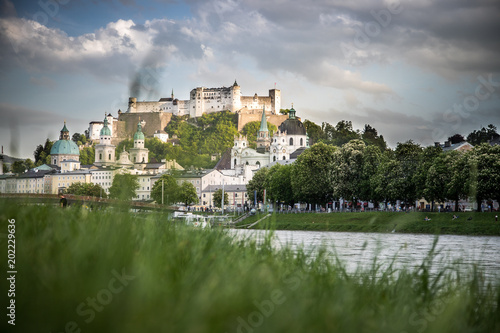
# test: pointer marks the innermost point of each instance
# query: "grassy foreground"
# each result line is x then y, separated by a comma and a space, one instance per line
82, 271
440, 223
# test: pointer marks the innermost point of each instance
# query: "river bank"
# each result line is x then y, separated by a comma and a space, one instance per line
468, 223
113, 271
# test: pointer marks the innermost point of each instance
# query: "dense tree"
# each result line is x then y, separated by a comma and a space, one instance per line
284, 111
86, 189
484, 176
372, 157
456, 138
170, 190
188, 194
87, 155
18, 167
79, 139
279, 184
347, 170
477, 137
382, 183
408, 156
258, 183
42, 153
312, 179
21, 166
218, 198
438, 176
429, 155
370, 137
197, 139
457, 187
314, 131
340, 134
124, 187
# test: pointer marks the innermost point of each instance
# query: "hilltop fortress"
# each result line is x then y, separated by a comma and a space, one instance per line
155, 115
207, 100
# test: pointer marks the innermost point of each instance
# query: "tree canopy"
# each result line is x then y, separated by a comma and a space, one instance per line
251, 129
124, 187
86, 189
187, 194
170, 190
218, 198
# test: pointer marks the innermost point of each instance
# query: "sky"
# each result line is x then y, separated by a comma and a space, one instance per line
420, 70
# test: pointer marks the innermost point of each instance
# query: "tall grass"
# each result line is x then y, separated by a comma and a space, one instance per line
178, 279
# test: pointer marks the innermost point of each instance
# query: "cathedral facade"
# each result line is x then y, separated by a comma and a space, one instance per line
287, 143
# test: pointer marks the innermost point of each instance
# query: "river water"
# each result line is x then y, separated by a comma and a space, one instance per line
358, 250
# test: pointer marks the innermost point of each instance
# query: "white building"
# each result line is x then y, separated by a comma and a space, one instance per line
207, 100
287, 143
95, 127
161, 135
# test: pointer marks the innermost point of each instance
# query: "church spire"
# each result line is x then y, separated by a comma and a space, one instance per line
263, 121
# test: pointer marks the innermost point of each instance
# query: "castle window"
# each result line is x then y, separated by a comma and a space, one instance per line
100, 156
234, 161
291, 141
274, 158
284, 158
301, 142
110, 157
243, 144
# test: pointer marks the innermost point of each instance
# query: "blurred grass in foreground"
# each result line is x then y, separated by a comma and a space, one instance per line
111, 271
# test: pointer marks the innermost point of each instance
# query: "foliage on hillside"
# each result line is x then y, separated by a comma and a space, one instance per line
251, 129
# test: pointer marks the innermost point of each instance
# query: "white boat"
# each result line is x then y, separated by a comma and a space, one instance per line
198, 221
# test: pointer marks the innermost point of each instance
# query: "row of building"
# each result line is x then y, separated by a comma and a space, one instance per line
233, 171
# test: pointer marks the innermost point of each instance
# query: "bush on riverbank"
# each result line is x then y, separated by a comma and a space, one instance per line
109, 271
441, 223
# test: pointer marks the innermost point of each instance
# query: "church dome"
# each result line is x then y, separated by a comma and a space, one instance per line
139, 135
105, 130
64, 147
292, 126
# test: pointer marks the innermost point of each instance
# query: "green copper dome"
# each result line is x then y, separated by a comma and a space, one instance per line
139, 135
105, 130
66, 147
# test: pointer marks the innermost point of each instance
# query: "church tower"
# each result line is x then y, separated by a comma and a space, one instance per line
139, 155
105, 151
263, 137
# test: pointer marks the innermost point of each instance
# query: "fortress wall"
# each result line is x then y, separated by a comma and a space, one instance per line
126, 125
245, 118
